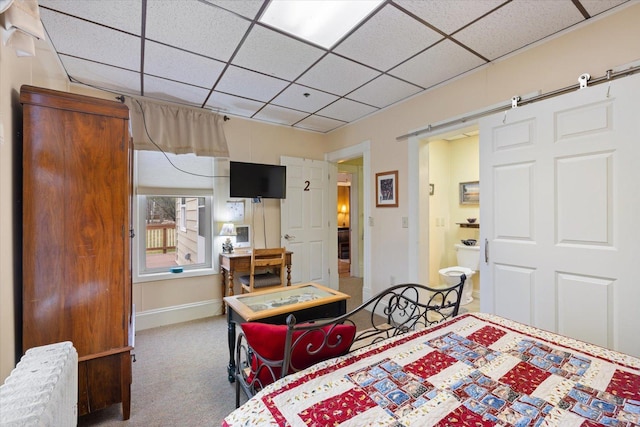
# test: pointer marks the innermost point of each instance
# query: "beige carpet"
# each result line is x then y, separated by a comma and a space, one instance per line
180, 374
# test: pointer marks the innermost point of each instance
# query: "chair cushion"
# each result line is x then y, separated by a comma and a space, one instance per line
261, 280
268, 341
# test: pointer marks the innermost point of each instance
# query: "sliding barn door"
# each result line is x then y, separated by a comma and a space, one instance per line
559, 184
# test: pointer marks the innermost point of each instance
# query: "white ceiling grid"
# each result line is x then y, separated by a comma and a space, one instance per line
216, 54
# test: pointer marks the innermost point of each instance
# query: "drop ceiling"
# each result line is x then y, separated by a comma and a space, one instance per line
215, 54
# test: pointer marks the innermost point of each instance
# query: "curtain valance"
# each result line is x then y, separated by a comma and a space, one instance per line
21, 22
176, 129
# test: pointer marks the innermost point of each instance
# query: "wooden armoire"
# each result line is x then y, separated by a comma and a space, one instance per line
76, 238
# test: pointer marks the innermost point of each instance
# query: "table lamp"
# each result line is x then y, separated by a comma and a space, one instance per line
343, 211
228, 230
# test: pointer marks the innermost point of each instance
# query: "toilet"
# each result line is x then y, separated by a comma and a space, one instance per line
468, 263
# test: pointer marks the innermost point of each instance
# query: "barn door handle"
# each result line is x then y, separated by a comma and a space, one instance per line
486, 251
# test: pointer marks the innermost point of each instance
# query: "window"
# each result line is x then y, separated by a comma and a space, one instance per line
173, 211
176, 232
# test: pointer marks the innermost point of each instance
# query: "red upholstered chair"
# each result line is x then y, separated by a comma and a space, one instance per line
266, 353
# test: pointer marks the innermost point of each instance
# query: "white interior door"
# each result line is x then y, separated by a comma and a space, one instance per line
304, 223
558, 181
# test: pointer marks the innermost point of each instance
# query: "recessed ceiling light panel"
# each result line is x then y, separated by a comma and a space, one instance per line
320, 22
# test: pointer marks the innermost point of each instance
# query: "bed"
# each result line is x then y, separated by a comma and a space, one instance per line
475, 369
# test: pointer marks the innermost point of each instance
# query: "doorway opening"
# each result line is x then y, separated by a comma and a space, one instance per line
448, 163
344, 224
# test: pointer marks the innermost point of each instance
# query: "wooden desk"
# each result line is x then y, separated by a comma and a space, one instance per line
241, 261
308, 301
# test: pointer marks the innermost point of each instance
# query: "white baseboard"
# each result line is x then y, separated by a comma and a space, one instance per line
177, 314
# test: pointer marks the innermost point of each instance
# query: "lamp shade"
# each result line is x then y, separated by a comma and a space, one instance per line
228, 229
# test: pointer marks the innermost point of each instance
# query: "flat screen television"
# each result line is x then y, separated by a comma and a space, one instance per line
253, 180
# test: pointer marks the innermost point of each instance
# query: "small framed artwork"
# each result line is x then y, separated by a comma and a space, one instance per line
431, 189
470, 193
243, 236
235, 209
387, 189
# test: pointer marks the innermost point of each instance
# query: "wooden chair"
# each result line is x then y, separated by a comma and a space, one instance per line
267, 270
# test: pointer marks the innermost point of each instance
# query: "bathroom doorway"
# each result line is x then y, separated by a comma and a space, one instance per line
450, 165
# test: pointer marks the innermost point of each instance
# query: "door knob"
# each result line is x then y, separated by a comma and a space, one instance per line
286, 236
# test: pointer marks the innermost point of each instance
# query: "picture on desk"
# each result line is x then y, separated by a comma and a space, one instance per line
243, 236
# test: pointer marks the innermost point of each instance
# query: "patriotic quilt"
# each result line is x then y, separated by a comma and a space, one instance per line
474, 370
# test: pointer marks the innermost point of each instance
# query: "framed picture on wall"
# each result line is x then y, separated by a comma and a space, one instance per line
243, 236
470, 193
387, 189
235, 210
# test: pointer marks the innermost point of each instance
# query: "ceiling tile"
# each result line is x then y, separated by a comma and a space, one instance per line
275, 114
233, 104
319, 124
448, 15
409, 38
518, 24
397, 53
384, 91
102, 76
167, 90
193, 25
248, 84
294, 97
275, 54
595, 7
337, 75
437, 64
247, 8
97, 43
125, 17
175, 64
346, 109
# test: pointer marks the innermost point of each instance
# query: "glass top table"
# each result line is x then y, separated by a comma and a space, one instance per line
263, 304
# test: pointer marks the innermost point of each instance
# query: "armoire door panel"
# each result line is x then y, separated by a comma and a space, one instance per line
76, 216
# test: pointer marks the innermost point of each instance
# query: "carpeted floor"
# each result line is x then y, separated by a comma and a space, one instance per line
180, 374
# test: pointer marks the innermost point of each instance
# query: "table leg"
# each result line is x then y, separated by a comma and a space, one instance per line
289, 275
230, 274
231, 329
223, 278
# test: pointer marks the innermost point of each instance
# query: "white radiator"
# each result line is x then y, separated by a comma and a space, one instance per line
42, 390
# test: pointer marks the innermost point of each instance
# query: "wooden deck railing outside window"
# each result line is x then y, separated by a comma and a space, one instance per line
161, 238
